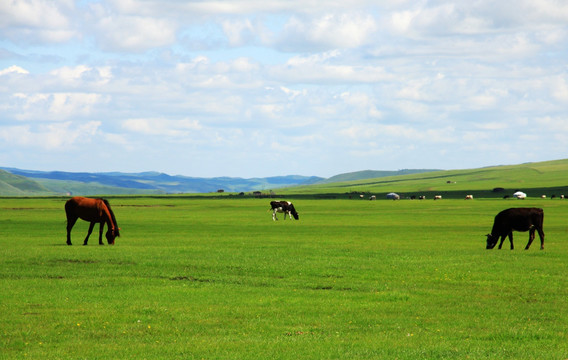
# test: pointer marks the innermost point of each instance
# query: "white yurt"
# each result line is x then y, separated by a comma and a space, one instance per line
393, 196
520, 195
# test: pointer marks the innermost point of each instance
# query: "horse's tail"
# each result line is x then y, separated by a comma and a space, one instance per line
112, 216
70, 209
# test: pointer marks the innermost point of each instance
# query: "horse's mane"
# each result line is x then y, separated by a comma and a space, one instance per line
111, 215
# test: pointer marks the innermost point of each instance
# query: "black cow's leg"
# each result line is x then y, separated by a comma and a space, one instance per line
511, 239
501, 242
541, 236
531, 238
91, 226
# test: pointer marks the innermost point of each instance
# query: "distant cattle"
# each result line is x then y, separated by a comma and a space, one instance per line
437, 197
469, 197
517, 219
372, 197
562, 196
285, 207
421, 197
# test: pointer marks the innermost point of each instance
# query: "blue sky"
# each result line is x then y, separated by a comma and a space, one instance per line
257, 88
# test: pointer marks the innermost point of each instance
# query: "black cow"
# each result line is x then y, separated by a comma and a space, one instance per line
285, 207
518, 219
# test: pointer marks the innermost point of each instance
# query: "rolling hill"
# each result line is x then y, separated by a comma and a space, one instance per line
536, 179
371, 174
16, 185
540, 178
113, 183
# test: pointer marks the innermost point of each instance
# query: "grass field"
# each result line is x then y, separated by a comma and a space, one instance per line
218, 279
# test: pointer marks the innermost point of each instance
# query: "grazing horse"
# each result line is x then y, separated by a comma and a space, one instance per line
94, 211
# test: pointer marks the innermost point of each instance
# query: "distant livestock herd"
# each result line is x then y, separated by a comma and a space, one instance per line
393, 196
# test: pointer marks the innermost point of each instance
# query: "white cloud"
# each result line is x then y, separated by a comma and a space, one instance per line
36, 20
553, 125
54, 136
327, 68
82, 75
161, 127
395, 82
14, 69
560, 89
133, 33
55, 106
329, 31
238, 32
363, 103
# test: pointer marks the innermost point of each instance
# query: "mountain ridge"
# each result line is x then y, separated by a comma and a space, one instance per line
153, 182
149, 182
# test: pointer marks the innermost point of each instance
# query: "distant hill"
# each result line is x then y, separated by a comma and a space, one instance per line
540, 178
372, 174
16, 185
536, 179
60, 182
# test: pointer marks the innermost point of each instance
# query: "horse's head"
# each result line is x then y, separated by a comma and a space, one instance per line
111, 234
491, 241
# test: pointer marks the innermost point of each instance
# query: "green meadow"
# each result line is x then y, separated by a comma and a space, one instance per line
208, 278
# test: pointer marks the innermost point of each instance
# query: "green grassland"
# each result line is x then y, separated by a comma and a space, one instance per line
195, 278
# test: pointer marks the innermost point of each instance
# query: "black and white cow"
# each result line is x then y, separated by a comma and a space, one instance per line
285, 207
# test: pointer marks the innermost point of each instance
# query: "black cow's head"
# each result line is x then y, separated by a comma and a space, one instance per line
491, 241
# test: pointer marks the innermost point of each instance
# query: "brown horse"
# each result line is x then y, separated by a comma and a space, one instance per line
94, 211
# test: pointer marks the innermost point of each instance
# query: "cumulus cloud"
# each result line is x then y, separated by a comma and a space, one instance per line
160, 127
329, 31
14, 69
54, 106
54, 136
134, 34
238, 32
81, 75
393, 83
36, 21
327, 67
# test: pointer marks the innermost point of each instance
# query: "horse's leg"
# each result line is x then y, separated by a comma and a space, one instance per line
531, 237
101, 233
70, 223
91, 226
